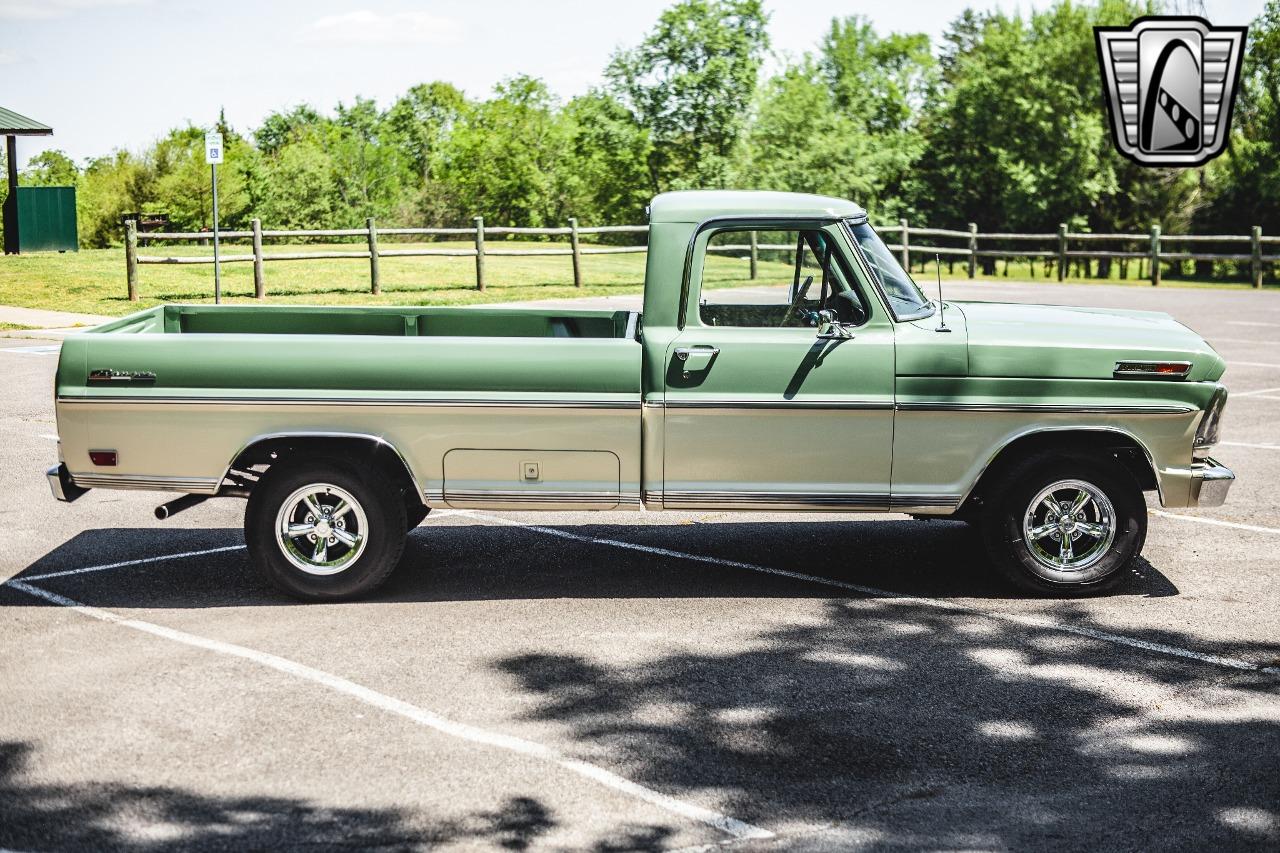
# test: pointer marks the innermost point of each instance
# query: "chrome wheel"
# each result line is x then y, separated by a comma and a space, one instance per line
321, 529
1068, 528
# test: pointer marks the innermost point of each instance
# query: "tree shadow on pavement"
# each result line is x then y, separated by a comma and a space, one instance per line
118, 816
480, 561
902, 726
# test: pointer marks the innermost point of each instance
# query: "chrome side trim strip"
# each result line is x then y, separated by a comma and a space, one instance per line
861, 500
538, 496
360, 401
534, 500
194, 485
778, 405
1043, 408
900, 501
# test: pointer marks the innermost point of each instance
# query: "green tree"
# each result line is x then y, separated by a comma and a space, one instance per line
1013, 137
50, 168
367, 168
690, 82
800, 142
280, 128
300, 190
880, 84
1246, 181
109, 187
604, 163
503, 159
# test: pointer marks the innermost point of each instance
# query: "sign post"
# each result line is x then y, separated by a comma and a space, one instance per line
213, 156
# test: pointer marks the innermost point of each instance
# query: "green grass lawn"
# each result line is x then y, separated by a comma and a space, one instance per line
93, 281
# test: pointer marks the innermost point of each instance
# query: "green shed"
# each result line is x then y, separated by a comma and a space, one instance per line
35, 218
47, 219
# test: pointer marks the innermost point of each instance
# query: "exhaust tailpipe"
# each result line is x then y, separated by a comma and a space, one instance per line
177, 505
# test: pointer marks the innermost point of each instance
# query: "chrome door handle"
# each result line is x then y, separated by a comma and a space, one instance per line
696, 358
683, 353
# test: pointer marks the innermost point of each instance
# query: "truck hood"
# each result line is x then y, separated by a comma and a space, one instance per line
1007, 339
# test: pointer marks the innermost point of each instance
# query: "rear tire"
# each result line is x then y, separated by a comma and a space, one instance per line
1065, 524
323, 530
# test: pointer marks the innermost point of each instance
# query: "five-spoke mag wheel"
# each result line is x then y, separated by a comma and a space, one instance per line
1064, 523
323, 529
1069, 525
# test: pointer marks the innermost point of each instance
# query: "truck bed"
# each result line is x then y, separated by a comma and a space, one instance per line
382, 321
178, 392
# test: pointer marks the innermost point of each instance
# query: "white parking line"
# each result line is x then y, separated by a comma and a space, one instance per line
51, 437
1235, 395
1250, 323
1232, 361
139, 562
1253, 528
724, 823
1247, 444
1018, 619
42, 349
1257, 396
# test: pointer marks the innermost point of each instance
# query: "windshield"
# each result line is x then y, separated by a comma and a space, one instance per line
905, 298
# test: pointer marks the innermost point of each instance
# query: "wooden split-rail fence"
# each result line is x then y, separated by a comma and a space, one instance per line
1150, 249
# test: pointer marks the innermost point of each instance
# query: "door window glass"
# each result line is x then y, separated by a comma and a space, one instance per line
796, 275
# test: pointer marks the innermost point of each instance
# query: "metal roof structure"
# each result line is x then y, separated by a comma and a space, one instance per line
699, 205
13, 124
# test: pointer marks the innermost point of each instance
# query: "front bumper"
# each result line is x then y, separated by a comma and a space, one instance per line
61, 485
1210, 482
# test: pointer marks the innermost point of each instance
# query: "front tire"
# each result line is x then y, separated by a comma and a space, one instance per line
322, 530
1065, 524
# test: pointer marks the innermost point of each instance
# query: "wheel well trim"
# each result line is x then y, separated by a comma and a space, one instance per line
1037, 430
359, 436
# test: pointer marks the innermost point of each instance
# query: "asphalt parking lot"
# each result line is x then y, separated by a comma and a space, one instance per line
633, 682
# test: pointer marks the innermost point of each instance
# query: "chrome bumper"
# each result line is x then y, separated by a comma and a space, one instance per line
60, 484
1210, 483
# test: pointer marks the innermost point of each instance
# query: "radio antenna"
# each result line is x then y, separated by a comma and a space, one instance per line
942, 306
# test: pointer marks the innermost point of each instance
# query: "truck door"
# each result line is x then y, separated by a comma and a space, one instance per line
760, 411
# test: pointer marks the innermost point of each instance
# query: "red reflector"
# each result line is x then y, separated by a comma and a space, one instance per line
102, 457
1170, 368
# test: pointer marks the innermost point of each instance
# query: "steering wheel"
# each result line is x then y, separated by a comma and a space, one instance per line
795, 302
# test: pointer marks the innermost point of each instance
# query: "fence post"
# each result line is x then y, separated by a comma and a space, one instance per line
1062, 251
1257, 256
479, 220
1155, 254
906, 246
131, 257
375, 277
755, 255
577, 257
973, 249
259, 279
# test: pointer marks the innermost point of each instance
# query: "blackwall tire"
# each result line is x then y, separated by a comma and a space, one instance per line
1065, 524
322, 530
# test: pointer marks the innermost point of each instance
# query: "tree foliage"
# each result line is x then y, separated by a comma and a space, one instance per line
1002, 123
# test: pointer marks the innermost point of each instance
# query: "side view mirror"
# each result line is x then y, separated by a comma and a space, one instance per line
830, 328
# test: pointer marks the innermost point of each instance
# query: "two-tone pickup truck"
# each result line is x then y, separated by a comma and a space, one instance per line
841, 388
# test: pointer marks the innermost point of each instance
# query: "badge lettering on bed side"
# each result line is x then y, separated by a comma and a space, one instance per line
108, 375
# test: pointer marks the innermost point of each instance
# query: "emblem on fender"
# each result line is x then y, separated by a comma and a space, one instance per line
109, 375
1170, 84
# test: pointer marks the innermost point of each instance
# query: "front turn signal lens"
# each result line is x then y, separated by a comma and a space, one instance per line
1152, 369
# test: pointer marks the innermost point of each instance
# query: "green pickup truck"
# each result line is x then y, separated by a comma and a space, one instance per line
833, 386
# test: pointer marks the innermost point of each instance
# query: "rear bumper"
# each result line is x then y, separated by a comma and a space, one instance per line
1210, 482
61, 485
